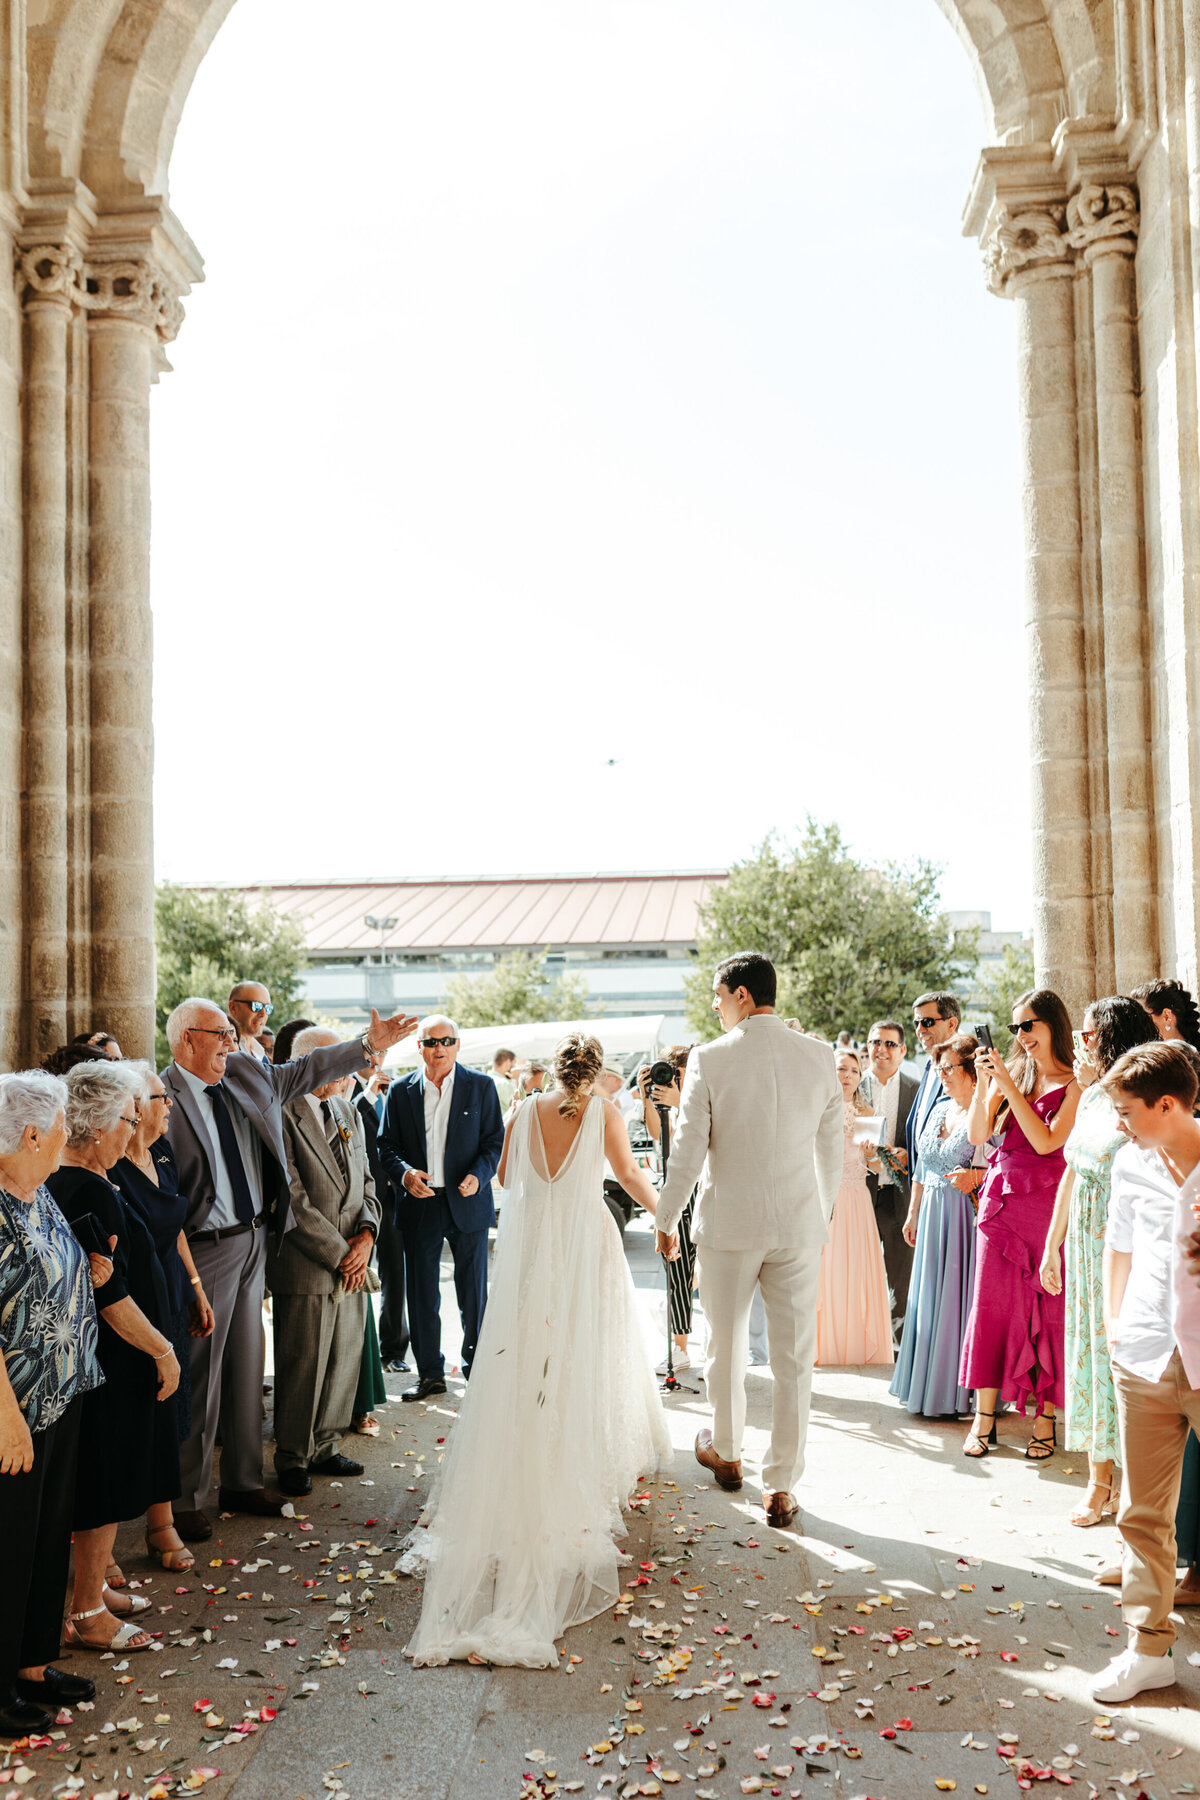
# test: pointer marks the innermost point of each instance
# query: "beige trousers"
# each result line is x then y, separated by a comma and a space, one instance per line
788, 1279
1154, 1419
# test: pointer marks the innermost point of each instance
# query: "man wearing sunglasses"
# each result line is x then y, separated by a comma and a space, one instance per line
440, 1144
935, 1021
250, 1008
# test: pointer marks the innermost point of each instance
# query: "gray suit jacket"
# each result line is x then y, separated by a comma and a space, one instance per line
260, 1090
327, 1206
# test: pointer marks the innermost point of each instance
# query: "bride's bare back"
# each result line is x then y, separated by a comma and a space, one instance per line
558, 1133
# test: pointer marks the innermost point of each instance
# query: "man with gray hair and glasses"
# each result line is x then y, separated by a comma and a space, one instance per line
226, 1130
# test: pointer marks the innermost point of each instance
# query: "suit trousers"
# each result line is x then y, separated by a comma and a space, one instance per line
318, 1356
1153, 1418
891, 1210
423, 1261
35, 1526
227, 1370
389, 1260
788, 1280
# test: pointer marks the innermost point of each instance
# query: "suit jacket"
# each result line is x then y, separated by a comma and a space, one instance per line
261, 1089
474, 1142
909, 1089
327, 1206
761, 1116
929, 1092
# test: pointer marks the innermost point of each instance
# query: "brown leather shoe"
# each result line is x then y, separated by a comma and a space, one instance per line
264, 1501
781, 1510
727, 1475
193, 1527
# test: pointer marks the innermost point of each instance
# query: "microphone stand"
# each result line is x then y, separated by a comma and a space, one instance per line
670, 1383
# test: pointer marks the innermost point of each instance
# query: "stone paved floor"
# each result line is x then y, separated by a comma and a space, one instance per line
899, 1535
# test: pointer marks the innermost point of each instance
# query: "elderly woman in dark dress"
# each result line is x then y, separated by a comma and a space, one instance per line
47, 1365
129, 1447
149, 1184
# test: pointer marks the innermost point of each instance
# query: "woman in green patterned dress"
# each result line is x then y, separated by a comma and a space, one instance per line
1110, 1027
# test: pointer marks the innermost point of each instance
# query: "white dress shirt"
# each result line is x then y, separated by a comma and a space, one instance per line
885, 1098
437, 1118
1147, 1214
224, 1211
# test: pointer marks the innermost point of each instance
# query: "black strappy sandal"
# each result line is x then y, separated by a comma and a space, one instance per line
1042, 1449
981, 1444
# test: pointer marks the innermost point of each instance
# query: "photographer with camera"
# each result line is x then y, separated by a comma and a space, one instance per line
660, 1084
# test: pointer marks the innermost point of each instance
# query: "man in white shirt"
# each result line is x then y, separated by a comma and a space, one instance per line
1152, 1318
890, 1094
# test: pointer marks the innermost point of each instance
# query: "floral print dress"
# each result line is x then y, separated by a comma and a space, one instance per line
1091, 1411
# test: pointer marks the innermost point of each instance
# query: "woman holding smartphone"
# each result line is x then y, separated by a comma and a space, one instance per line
1025, 1106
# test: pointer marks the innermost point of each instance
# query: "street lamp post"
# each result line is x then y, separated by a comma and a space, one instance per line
382, 926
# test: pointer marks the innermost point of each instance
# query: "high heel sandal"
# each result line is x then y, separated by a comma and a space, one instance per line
982, 1443
1042, 1449
121, 1639
176, 1560
114, 1576
123, 1605
1084, 1516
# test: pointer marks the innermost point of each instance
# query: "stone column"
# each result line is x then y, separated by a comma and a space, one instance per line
1029, 259
48, 275
132, 309
1103, 226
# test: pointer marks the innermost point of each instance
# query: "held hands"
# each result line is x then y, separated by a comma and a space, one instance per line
353, 1266
16, 1444
416, 1182
101, 1266
201, 1320
666, 1243
468, 1185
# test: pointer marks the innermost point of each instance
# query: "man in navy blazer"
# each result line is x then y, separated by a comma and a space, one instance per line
935, 1021
440, 1144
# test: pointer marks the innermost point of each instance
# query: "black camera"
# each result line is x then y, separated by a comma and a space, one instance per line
662, 1074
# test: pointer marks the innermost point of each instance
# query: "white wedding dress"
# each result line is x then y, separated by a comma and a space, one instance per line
560, 1419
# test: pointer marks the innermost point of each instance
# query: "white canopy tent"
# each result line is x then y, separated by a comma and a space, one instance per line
625, 1041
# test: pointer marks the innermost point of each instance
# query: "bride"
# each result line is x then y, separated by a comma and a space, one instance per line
561, 1414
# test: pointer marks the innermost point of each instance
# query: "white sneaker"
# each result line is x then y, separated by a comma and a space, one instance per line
1132, 1673
680, 1361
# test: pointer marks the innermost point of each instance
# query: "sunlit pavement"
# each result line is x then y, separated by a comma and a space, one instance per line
949, 1598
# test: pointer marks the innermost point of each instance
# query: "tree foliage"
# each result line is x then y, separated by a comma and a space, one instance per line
851, 944
208, 939
997, 989
516, 992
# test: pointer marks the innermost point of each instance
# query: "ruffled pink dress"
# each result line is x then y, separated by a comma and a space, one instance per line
1016, 1331
854, 1313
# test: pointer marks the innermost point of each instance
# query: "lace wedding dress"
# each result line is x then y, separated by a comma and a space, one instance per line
561, 1417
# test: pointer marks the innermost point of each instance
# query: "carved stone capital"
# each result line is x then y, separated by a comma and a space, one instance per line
1018, 241
1103, 216
136, 289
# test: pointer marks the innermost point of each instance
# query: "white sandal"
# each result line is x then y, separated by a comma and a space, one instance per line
1084, 1516
130, 1604
121, 1639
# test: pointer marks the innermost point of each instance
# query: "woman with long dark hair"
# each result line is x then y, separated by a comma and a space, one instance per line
1110, 1027
1025, 1108
1173, 1010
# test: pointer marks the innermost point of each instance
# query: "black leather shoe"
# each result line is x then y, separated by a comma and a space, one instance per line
56, 1688
336, 1465
294, 1481
193, 1527
423, 1389
20, 1717
396, 1365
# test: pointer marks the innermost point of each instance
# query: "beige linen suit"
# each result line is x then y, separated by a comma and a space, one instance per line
318, 1337
760, 1127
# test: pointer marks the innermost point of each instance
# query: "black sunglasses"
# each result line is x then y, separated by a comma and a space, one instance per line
1025, 1025
259, 1006
437, 1043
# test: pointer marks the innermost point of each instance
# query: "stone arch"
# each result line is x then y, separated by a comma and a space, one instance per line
1036, 65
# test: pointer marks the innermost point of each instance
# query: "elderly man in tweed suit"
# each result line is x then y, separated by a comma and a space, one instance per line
318, 1278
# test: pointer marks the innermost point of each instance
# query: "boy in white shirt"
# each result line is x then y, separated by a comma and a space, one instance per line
1152, 1316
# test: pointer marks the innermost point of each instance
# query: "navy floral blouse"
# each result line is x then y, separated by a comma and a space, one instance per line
47, 1311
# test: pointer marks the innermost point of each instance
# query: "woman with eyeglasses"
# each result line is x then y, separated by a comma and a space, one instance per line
1024, 1108
1110, 1027
148, 1179
128, 1444
941, 1227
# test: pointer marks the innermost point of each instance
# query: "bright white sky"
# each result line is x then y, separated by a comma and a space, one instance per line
576, 381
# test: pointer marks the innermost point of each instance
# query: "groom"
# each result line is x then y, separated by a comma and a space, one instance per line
440, 1144
761, 1115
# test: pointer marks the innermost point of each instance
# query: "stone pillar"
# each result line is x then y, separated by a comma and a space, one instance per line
1103, 225
48, 274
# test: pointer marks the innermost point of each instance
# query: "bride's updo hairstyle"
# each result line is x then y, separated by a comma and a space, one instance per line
577, 1062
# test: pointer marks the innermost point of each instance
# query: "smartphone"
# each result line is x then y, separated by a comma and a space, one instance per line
1080, 1050
983, 1036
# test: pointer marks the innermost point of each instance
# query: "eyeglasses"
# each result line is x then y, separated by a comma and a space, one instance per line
1024, 1025
230, 1037
255, 1006
884, 1044
437, 1043
925, 1024
131, 1122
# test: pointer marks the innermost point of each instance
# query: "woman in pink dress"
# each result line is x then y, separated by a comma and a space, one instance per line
854, 1313
1025, 1107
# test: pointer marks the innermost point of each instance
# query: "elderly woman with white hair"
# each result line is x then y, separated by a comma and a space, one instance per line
129, 1447
47, 1365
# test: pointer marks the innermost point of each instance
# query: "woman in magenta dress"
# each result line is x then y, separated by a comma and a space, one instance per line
1014, 1347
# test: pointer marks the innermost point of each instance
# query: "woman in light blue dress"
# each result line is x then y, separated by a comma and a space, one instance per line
941, 1225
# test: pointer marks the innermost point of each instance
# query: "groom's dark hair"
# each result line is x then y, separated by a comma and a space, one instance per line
753, 971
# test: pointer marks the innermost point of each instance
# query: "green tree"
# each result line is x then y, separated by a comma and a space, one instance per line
850, 943
515, 993
209, 938
998, 987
